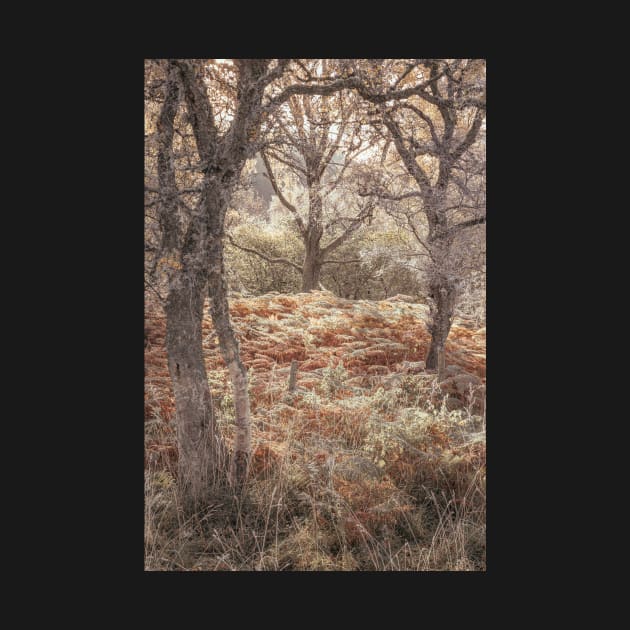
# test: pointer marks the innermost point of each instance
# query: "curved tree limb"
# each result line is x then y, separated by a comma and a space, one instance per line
390, 197
167, 192
424, 117
471, 136
285, 202
292, 165
250, 250
341, 262
415, 170
199, 111
354, 82
349, 231
465, 224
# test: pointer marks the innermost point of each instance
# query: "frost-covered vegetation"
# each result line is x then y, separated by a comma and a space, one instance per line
315, 314
369, 464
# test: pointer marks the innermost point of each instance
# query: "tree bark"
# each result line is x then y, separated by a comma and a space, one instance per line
201, 451
224, 157
312, 266
442, 296
441, 364
442, 291
217, 288
168, 202
311, 270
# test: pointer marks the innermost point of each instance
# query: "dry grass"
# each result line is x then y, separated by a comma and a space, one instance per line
367, 466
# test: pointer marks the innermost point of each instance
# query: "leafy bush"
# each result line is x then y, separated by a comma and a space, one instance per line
377, 275
253, 274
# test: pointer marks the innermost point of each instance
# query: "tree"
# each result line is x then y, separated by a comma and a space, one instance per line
194, 257
223, 124
375, 264
437, 132
309, 162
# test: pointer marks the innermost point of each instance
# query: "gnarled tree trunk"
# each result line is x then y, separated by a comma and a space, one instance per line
442, 289
217, 288
311, 270
443, 296
224, 156
201, 451
312, 266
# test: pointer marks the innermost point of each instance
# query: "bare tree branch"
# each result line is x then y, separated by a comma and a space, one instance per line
153, 288
354, 82
349, 231
285, 202
471, 136
385, 195
465, 224
291, 164
277, 72
408, 69
424, 117
167, 191
415, 170
250, 250
199, 111
341, 262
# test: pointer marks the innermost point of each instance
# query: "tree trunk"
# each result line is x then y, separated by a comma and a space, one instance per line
441, 364
442, 308
223, 157
200, 447
312, 267
217, 287
167, 207
311, 271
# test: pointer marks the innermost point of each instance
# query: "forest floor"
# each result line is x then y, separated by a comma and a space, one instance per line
369, 464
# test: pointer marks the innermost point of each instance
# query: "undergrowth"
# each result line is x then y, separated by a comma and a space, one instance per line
356, 470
